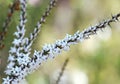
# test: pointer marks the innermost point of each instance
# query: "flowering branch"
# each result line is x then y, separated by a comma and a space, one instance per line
20, 62
15, 54
19, 54
52, 50
42, 20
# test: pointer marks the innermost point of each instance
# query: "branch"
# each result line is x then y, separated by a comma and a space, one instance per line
20, 62
42, 20
15, 53
62, 70
51, 50
13, 7
19, 54
28, 65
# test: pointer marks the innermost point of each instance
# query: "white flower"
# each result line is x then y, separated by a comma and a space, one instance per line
66, 48
11, 58
17, 34
8, 71
32, 64
10, 65
25, 41
44, 57
13, 50
16, 42
39, 25
23, 59
68, 36
21, 30
31, 36
57, 51
28, 47
23, 73
81, 37
47, 47
51, 54
16, 70
7, 80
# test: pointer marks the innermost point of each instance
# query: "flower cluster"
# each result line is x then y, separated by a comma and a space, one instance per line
21, 64
19, 54
17, 58
51, 50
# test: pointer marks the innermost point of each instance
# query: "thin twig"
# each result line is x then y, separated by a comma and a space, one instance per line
62, 70
12, 8
42, 20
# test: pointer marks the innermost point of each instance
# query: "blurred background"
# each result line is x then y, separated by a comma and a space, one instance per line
94, 61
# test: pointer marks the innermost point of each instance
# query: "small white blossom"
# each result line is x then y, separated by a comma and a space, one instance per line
51, 54
17, 34
39, 25
21, 30
24, 41
23, 59
6, 80
56, 51
13, 50
10, 65
31, 36
8, 71
66, 48
18, 70
16, 42
11, 58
